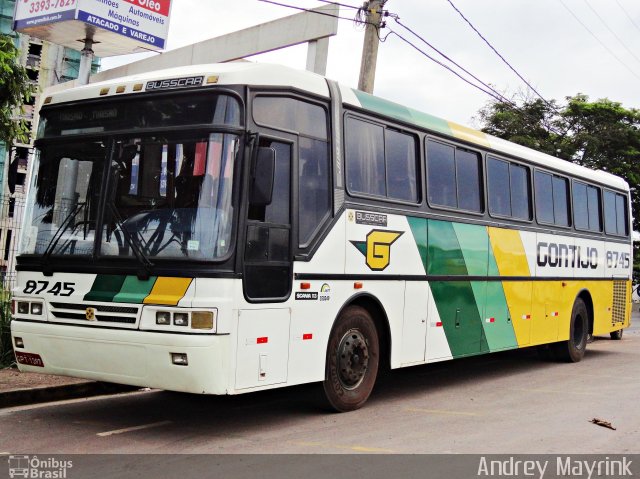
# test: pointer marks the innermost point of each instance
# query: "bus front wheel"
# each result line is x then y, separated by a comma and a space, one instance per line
352, 360
573, 350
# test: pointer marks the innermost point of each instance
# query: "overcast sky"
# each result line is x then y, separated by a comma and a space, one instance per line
540, 38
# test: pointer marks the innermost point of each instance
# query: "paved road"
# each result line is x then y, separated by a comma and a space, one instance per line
508, 402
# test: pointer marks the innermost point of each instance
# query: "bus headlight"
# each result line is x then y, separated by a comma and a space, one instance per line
163, 318
36, 308
180, 319
23, 307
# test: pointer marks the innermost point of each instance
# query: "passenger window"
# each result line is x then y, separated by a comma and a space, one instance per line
498, 180
552, 193
520, 192
586, 207
400, 151
364, 155
509, 189
380, 161
615, 214
468, 176
454, 177
441, 170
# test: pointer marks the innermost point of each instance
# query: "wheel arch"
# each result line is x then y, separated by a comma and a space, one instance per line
379, 315
585, 296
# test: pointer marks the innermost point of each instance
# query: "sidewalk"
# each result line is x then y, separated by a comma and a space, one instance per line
17, 389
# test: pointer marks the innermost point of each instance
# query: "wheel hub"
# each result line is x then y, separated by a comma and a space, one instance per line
353, 359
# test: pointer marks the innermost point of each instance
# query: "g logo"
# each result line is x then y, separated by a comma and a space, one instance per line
377, 248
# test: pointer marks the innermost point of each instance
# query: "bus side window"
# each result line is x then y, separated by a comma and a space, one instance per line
313, 195
615, 214
552, 199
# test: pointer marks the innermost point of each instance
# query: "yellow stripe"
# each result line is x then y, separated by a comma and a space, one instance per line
168, 291
509, 252
512, 261
469, 134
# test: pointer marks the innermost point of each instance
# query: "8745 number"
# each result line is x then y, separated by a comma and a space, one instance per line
58, 288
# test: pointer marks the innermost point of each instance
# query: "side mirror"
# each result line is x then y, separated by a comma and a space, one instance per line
264, 168
12, 175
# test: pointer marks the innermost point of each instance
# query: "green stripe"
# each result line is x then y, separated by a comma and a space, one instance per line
474, 245
460, 317
500, 334
490, 299
402, 113
464, 306
134, 290
444, 253
105, 287
419, 230
455, 300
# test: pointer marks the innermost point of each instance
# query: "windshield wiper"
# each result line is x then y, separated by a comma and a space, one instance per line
142, 258
56, 237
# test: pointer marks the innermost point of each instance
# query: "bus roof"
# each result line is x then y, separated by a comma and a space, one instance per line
264, 74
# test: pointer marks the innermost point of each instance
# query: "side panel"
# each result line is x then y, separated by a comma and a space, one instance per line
263, 347
414, 326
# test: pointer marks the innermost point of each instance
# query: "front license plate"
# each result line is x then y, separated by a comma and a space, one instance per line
29, 359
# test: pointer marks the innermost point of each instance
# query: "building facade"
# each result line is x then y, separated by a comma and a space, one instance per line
47, 64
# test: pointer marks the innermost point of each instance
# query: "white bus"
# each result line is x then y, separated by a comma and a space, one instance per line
229, 228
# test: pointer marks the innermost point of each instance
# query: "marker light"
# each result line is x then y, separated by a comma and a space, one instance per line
23, 307
163, 318
179, 359
18, 342
36, 309
202, 320
180, 319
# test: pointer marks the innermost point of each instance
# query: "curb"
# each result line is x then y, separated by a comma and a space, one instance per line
23, 397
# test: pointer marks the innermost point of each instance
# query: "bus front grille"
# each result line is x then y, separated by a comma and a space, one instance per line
100, 314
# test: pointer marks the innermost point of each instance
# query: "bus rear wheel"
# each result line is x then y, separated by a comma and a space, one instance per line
573, 350
352, 360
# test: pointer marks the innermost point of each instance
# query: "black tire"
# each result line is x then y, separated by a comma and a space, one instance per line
353, 355
616, 335
572, 351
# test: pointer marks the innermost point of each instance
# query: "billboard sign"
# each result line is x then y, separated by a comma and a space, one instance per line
31, 13
144, 23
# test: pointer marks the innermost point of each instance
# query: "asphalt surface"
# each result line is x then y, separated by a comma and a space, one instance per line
508, 402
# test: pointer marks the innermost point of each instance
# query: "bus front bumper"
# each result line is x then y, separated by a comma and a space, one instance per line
132, 357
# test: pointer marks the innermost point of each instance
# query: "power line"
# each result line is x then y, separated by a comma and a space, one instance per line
340, 4
397, 20
490, 93
599, 41
628, 16
499, 55
611, 30
308, 10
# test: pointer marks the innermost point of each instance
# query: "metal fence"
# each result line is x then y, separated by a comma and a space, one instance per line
11, 213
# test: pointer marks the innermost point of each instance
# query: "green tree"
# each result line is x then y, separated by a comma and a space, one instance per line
15, 89
599, 134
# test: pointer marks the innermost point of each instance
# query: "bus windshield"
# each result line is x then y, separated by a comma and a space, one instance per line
142, 196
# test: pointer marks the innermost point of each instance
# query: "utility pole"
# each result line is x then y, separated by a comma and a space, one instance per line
373, 11
86, 58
